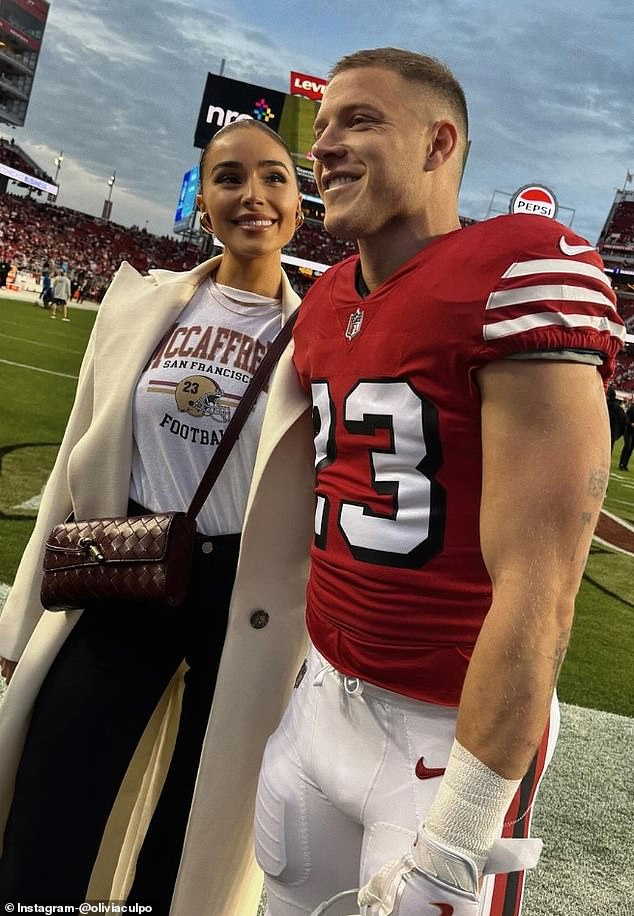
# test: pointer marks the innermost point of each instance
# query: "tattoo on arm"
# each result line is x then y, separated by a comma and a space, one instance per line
598, 482
559, 655
586, 519
597, 485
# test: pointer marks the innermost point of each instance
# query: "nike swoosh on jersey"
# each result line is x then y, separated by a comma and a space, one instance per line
425, 772
571, 250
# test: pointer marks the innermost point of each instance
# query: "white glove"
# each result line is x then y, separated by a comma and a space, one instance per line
431, 880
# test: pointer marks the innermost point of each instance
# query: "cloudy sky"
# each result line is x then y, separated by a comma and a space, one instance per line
119, 83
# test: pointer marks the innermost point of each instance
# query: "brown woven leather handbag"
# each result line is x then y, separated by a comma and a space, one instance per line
118, 561
146, 558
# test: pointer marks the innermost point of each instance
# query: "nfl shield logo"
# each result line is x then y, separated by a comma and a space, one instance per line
354, 324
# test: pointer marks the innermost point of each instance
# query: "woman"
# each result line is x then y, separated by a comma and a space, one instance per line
169, 357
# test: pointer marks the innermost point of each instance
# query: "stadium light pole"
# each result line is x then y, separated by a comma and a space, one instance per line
108, 206
58, 164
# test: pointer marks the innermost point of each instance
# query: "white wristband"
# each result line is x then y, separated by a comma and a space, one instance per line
468, 811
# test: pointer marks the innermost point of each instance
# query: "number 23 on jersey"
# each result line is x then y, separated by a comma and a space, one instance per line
411, 533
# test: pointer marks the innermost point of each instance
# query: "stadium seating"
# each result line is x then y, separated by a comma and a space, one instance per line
624, 376
36, 235
13, 156
625, 308
307, 185
622, 224
313, 243
617, 242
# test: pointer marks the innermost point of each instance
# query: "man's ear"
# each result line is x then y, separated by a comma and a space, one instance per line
443, 145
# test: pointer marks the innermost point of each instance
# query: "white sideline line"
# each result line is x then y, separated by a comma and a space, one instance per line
622, 502
8, 362
627, 553
32, 503
38, 343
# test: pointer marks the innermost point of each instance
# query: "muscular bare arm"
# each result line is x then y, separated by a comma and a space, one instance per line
546, 457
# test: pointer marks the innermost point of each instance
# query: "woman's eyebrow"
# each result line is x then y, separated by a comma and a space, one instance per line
232, 164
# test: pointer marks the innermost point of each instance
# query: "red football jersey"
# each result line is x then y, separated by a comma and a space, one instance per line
398, 588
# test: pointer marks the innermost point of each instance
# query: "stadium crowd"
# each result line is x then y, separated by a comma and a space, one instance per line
313, 243
43, 236
621, 231
624, 376
39, 236
616, 244
12, 155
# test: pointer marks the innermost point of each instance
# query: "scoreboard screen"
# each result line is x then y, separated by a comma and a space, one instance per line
226, 100
186, 199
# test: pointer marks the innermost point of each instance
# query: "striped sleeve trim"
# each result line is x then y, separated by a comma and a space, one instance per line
547, 293
556, 266
508, 328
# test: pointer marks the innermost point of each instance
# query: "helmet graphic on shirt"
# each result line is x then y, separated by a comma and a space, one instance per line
199, 397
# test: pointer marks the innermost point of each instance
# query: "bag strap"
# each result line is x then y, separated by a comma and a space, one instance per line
239, 418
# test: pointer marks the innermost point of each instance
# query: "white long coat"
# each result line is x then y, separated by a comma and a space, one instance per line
91, 477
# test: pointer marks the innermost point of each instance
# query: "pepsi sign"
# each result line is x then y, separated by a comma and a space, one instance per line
536, 199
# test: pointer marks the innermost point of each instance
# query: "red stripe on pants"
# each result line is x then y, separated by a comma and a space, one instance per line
508, 888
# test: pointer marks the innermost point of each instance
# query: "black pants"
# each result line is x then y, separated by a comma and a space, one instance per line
88, 718
628, 448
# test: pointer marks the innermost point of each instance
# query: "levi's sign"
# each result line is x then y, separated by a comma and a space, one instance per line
311, 87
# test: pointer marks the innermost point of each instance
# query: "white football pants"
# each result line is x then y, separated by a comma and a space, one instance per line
339, 795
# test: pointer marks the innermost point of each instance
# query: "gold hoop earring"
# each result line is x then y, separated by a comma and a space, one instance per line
205, 225
299, 219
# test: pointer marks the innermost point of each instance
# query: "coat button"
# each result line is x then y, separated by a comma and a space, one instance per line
259, 619
207, 547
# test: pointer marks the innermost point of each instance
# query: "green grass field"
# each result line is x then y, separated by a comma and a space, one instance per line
39, 363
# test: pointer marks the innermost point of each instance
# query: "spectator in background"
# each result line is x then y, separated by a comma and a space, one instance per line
61, 294
46, 294
617, 416
4, 270
84, 291
628, 438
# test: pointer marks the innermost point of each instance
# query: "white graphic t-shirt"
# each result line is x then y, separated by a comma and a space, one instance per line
185, 397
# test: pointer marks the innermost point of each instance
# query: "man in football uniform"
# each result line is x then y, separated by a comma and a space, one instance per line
451, 528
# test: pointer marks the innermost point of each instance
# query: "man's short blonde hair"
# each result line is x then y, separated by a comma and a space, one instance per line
417, 68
